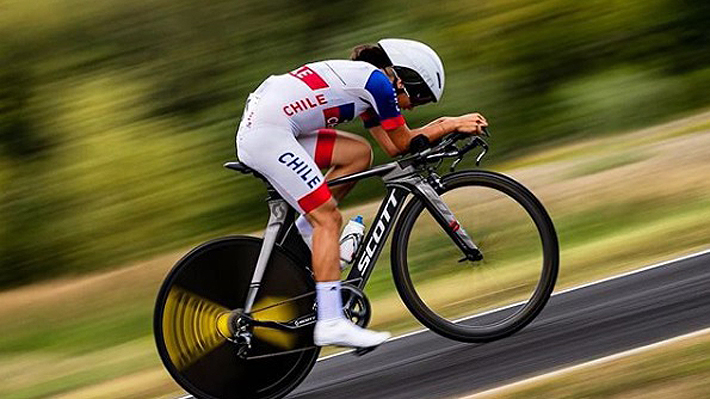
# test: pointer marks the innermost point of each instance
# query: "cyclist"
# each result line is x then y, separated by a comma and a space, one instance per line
286, 135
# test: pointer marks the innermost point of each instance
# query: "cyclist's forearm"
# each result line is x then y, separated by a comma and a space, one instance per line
437, 120
402, 136
384, 140
473, 123
436, 129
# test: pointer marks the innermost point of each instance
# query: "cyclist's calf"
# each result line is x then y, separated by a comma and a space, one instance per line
326, 216
327, 222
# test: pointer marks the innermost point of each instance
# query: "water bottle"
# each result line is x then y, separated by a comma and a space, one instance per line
350, 240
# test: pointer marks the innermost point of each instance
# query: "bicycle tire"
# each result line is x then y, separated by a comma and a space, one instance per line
214, 278
463, 328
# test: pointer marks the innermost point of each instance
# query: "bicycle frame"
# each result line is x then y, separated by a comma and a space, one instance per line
401, 179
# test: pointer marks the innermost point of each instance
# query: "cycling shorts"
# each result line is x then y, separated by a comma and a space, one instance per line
290, 162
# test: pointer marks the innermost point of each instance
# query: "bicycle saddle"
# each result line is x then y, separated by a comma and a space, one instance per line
239, 167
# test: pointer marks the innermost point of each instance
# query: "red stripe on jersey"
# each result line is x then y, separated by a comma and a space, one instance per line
392, 123
324, 147
315, 198
310, 78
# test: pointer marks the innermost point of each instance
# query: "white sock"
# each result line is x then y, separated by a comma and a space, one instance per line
330, 303
305, 229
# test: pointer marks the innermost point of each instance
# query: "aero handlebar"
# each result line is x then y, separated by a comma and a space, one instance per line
446, 148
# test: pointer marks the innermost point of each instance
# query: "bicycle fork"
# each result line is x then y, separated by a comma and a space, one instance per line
446, 219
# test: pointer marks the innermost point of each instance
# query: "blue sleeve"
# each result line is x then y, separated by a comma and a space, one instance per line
386, 106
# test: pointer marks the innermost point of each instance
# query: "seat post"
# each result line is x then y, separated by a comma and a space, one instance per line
279, 210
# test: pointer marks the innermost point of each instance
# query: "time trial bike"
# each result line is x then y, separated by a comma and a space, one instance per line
474, 257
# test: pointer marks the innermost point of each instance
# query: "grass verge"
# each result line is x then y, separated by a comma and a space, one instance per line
678, 369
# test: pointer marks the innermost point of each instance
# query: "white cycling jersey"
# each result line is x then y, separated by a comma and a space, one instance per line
324, 94
284, 131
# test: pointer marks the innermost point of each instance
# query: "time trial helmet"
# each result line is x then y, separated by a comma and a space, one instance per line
418, 66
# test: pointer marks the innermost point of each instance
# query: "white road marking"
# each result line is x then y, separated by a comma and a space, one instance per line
591, 363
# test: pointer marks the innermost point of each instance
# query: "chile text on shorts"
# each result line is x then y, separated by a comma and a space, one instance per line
300, 167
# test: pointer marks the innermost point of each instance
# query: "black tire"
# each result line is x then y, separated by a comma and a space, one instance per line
461, 319
210, 280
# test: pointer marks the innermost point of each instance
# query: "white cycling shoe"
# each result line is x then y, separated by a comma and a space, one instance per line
343, 332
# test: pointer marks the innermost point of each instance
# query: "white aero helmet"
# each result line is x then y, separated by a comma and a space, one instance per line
418, 66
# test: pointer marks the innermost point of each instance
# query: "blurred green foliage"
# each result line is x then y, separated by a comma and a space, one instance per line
116, 115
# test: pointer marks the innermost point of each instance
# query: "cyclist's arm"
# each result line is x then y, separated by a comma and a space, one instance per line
437, 120
396, 142
402, 136
385, 120
384, 140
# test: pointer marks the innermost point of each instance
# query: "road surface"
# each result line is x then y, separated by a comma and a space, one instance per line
576, 326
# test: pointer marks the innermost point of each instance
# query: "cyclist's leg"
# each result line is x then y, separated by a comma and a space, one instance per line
327, 222
276, 154
332, 328
341, 152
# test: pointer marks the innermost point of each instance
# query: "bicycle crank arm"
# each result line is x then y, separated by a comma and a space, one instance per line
355, 297
291, 325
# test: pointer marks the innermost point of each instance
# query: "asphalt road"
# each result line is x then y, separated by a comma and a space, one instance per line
575, 327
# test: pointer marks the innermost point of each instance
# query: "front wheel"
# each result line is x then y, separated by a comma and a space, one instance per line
477, 301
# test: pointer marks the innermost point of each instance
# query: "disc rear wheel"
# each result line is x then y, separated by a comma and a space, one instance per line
191, 322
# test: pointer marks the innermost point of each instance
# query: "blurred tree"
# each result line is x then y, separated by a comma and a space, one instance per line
19, 136
689, 28
115, 116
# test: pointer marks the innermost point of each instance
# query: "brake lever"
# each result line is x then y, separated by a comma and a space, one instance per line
480, 156
475, 141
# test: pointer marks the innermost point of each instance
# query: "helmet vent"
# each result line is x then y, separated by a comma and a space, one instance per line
438, 77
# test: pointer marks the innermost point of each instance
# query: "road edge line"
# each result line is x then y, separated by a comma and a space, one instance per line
580, 366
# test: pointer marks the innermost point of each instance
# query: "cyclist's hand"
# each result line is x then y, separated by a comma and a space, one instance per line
471, 123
